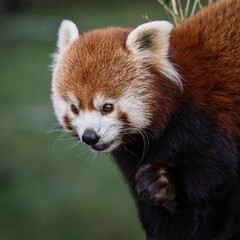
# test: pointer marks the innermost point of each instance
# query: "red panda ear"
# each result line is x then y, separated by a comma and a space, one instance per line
67, 33
151, 41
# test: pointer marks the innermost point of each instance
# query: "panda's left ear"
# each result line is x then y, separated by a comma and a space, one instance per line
151, 41
67, 33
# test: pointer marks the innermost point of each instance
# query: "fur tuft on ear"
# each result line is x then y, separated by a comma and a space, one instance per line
151, 41
67, 33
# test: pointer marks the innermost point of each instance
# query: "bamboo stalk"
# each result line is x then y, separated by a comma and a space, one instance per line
169, 11
174, 5
194, 7
180, 10
186, 9
200, 5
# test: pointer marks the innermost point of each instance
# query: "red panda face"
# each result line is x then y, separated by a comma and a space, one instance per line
100, 90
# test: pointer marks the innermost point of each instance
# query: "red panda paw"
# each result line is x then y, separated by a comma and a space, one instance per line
154, 185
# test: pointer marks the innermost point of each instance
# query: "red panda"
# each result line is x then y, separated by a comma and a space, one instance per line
165, 103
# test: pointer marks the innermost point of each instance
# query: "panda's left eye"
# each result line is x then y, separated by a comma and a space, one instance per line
74, 109
107, 108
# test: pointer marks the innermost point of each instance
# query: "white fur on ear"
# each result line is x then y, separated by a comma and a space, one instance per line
151, 40
67, 33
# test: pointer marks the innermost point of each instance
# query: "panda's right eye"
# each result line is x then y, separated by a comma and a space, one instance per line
74, 109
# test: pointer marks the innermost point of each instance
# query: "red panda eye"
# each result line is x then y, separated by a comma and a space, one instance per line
74, 109
107, 108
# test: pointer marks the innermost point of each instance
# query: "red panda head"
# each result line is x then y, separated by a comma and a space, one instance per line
102, 87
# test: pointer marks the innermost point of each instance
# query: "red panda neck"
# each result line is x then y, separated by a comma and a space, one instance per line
166, 99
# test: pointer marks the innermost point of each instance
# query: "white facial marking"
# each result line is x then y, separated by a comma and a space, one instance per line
134, 104
73, 100
60, 106
105, 126
100, 100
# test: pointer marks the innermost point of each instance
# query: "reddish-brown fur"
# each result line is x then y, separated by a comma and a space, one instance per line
207, 50
67, 123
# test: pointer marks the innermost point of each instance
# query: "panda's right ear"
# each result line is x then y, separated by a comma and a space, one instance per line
67, 33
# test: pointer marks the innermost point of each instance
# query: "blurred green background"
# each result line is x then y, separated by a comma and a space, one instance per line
51, 187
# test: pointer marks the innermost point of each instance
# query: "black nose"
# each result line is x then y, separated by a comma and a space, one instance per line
90, 137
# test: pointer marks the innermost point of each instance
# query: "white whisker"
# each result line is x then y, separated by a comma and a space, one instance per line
145, 138
58, 138
74, 145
